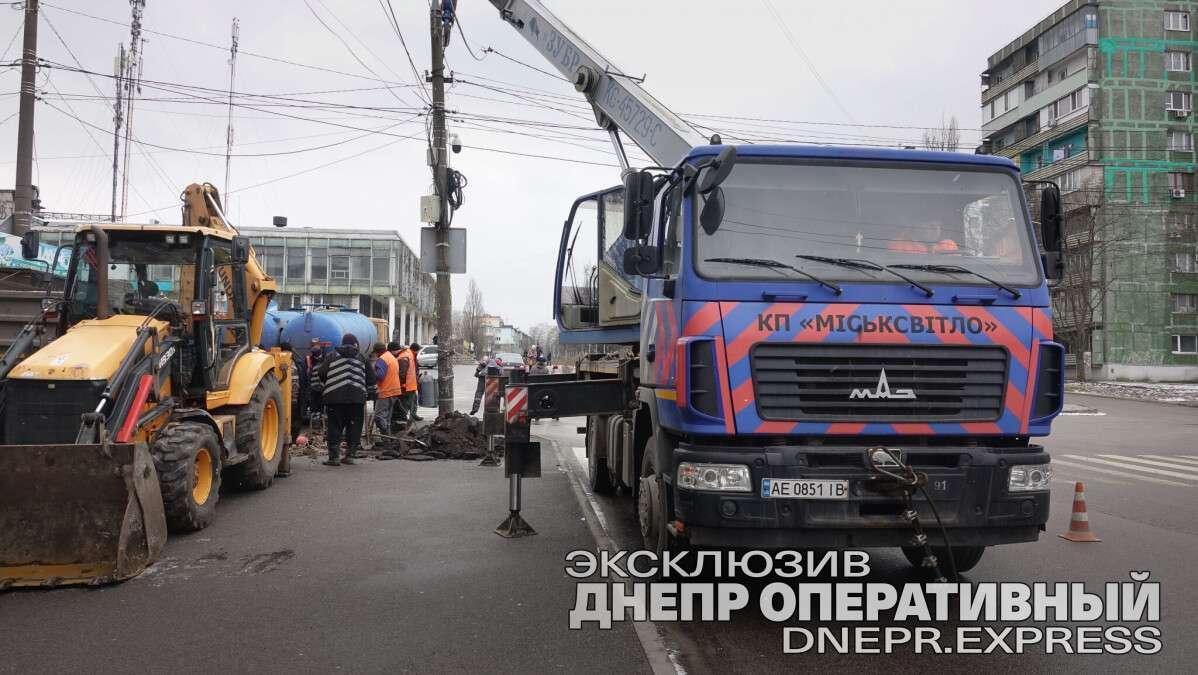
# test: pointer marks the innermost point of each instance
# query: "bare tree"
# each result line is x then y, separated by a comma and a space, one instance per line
1093, 234
946, 137
470, 323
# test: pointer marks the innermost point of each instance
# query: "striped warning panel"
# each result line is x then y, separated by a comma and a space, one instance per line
517, 403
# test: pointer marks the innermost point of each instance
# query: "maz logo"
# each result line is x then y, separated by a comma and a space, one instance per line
882, 391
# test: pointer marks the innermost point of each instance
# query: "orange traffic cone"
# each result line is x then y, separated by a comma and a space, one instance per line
1079, 523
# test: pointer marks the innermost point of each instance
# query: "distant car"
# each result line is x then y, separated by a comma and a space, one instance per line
509, 361
427, 357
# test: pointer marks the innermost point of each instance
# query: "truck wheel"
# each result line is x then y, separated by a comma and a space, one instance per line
652, 504
187, 457
261, 435
965, 557
596, 441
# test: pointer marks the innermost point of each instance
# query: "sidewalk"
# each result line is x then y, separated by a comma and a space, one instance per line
1155, 392
377, 567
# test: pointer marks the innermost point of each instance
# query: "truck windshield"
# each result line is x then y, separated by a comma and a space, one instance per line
144, 271
886, 214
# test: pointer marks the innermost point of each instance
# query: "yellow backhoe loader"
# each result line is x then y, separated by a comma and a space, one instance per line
154, 391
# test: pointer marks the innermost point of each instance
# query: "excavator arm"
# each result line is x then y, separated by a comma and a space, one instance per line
619, 102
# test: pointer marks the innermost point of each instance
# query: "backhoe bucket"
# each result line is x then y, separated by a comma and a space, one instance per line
78, 514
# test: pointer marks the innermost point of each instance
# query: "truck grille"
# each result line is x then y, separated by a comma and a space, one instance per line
933, 383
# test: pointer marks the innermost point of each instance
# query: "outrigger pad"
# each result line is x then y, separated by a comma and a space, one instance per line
78, 514
514, 526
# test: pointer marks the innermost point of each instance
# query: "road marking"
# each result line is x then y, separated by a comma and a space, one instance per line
1131, 467
1112, 472
1174, 458
1089, 479
1183, 470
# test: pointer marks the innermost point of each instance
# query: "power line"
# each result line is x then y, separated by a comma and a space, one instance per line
224, 48
346, 44
806, 59
492, 50
389, 12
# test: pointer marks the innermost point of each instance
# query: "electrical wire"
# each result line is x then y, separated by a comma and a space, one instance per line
348, 48
389, 12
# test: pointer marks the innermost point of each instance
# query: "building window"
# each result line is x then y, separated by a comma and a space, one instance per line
359, 266
1177, 21
1180, 140
1184, 303
271, 259
1185, 344
1180, 181
1177, 62
295, 264
320, 264
381, 274
1069, 180
1177, 100
339, 267
1181, 226
1184, 262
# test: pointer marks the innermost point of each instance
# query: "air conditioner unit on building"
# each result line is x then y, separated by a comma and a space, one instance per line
1181, 114
1052, 122
1178, 193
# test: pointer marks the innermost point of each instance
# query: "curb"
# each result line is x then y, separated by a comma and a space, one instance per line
1183, 404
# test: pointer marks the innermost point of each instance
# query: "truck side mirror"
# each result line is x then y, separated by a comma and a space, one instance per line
241, 249
717, 170
1050, 218
642, 260
31, 243
638, 204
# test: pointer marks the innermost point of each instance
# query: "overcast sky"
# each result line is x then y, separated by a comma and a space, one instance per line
900, 64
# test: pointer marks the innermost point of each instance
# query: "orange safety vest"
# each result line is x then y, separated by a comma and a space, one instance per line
390, 386
409, 384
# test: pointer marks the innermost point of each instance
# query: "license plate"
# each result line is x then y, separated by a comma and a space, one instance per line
800, 488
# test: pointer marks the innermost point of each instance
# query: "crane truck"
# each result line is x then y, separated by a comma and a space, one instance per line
123, 426
804, 346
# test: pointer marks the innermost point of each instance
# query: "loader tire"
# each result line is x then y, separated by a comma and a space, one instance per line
187, 457
261, 435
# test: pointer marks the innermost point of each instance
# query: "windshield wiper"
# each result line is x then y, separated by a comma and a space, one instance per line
777, 265
858, 263
957, 269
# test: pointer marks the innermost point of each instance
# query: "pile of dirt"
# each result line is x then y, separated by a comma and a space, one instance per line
452, 436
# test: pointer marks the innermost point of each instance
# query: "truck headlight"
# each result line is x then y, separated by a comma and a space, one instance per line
1029, 477
715, 477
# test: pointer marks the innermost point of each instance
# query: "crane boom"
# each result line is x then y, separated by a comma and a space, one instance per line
618, 100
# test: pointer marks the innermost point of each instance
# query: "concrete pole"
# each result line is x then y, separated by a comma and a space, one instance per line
391, 318
444, 298
22, 217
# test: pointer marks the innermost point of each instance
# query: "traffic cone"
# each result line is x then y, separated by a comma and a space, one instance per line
1079, 523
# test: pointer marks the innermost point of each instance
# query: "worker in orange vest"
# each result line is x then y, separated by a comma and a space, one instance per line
386, 372
404, 408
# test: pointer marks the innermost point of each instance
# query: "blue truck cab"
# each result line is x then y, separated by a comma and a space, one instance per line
783, 313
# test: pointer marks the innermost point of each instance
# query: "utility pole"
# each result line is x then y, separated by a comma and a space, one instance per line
443, 298
117, 120
132, 86
22, 217
229, 130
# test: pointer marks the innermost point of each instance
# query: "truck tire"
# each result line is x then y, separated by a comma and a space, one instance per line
596, 442
187, 458
261, 435
965, 557
653, 504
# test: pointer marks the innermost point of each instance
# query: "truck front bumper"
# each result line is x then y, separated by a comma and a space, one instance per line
968, 486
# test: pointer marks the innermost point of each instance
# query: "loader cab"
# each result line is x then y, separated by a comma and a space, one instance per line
191, 280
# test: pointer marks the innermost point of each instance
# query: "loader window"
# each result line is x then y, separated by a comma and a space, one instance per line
228, 335
143, 274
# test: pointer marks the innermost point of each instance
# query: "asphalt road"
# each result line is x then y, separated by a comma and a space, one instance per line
393, 567
1139, 463
380, 567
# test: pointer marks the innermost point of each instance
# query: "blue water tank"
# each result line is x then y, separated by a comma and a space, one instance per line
299, 326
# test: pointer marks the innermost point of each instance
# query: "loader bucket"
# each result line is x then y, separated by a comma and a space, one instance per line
78, 514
